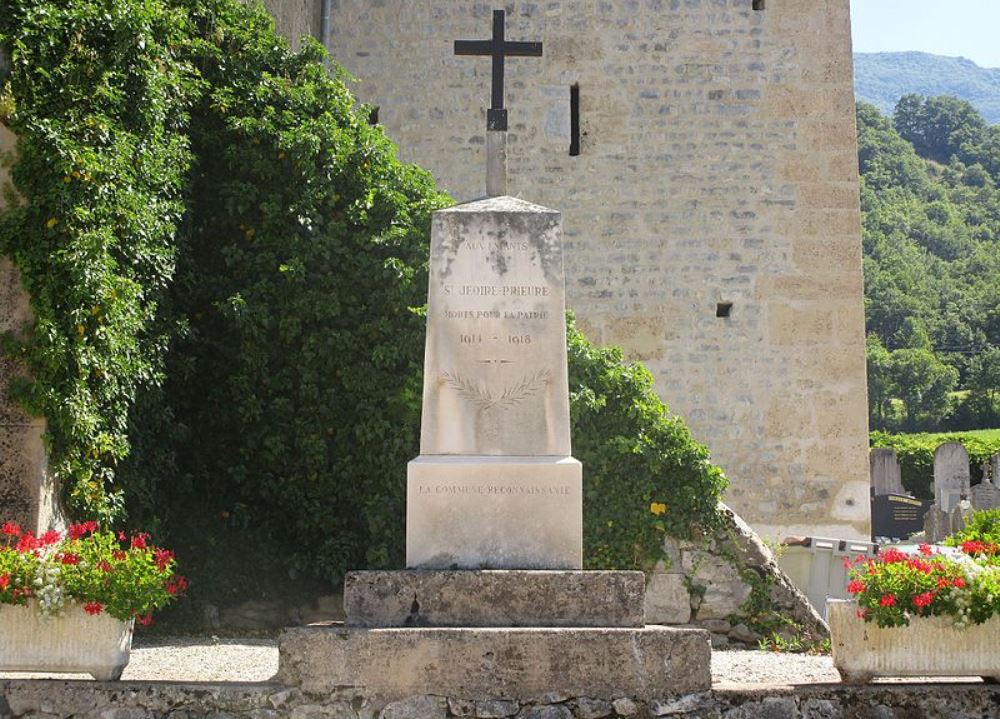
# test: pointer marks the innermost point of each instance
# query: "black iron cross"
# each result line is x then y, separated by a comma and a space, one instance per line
498, 48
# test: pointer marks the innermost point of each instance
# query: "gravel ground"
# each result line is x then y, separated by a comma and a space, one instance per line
256, 660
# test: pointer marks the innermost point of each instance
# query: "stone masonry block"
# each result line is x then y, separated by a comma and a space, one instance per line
496, 663
494, 599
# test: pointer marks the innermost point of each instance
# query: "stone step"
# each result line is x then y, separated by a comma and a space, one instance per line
494, 598
520, 664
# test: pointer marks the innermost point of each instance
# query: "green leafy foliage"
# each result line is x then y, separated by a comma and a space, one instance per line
915, 453
644, 476
126, 577
99, 99
895, 586
247, 260
932, 264
983, 526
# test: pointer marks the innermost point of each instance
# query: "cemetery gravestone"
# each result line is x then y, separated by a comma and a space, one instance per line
951, 475
986, 494
897, 516
885, 472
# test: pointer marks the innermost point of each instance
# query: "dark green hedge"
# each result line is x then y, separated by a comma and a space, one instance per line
915, 453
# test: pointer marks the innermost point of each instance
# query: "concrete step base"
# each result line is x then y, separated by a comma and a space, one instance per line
520, 664
498, 598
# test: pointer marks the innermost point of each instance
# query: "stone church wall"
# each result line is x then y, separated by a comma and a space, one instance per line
717, 165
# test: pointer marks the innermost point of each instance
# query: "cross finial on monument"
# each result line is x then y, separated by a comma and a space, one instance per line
496, 117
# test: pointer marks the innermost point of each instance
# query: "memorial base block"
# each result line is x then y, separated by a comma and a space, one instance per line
494, 598
485, 512
521, 664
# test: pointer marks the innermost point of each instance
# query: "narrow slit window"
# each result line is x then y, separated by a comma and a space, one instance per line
373, 115
758, 5
724, 309
574, 120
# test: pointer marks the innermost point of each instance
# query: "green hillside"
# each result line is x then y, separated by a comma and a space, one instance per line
931, 206
882, 78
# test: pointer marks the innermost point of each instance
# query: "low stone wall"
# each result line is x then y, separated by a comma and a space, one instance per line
729, 584
49, 699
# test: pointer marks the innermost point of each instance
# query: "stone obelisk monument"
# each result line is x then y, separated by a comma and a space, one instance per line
493, 604
495, 486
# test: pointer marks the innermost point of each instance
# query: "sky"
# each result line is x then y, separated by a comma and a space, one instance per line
965, 28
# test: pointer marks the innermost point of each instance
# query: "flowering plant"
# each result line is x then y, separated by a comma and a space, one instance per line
124, 576
895, 586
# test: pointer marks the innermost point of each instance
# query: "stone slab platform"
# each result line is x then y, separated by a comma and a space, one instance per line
499, 598
519, 664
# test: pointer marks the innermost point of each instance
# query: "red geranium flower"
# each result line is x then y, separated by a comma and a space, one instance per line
887, 600
77, 531
926, 550
27, 543
855, 586
4, 581
144, 619
177, 585
923, 600
958, 582
69, 558
104, 566
50, 537
162, 558
11, 528
892, 555
93, 607
139, 540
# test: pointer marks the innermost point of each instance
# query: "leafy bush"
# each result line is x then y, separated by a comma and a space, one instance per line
895, 586
916, 454
644, 476
983, 527
127, 577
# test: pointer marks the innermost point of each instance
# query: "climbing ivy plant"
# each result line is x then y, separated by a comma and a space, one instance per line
98, 97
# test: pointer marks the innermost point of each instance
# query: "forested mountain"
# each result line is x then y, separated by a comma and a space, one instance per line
881, 78
929, 177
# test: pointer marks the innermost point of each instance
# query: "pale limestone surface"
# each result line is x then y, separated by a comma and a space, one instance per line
296, 18
28, 494
886, 475
718, 164
951, 475
494, 513
519, 664
494, 599
495, 362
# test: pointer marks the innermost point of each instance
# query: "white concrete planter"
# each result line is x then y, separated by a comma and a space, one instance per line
75, 642
928, 647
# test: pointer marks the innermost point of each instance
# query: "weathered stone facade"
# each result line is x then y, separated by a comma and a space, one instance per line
28, 493
717, 165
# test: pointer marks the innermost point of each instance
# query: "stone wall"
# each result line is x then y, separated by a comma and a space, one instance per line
21, 699
729, 584
27, 491
718, 165
296, 18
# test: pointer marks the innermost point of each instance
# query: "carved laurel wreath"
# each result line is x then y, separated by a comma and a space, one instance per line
510, 396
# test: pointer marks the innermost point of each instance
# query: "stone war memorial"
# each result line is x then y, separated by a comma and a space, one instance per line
493, 603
